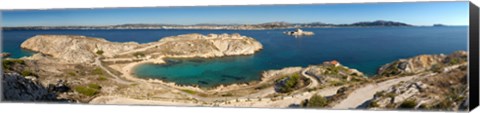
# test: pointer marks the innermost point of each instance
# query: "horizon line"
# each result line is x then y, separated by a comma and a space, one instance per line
224, 24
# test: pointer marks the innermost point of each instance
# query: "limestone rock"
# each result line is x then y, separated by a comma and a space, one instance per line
399, 93
411, 65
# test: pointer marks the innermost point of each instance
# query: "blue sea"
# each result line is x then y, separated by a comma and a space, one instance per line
365, 49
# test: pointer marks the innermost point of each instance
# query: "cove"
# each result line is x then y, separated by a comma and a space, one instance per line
365, 49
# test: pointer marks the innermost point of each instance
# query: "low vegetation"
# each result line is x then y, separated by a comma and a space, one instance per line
139, 54
26, 73
71, 73
316, 101
373, 104
189, 91
290, 83
97, 71
89, 90
8, 63
408, 104
101, 78
99, 52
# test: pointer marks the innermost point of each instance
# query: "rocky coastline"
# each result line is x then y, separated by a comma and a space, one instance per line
96, 71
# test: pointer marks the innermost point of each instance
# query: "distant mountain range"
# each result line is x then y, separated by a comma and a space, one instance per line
270, 25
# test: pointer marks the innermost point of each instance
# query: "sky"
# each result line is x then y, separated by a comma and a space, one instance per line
415, 13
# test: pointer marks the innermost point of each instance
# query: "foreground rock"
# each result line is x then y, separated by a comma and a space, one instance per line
443, 91
18, 88
443, 85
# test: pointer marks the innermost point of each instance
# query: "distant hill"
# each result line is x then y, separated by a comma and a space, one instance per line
380, 23
269, 25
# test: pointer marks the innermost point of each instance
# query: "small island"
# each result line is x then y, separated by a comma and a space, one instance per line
299, 32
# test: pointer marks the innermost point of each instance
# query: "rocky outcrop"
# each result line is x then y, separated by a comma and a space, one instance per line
433, 90
421, 63
411, 65
18, 88
75, 49
397, 94
212, 45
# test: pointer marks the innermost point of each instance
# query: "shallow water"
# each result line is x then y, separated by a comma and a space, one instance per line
365, 49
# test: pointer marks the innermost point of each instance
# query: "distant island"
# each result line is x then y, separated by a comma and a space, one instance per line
439, 25
299, 32
269, 25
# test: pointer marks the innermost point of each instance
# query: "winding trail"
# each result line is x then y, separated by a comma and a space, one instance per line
363, 94
284, 102
243, 101
117, 79
314, 82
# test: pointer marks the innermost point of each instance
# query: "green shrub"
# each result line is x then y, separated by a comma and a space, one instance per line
454, 61
189, 91
444, 104
293, 80
380, 93
27, 73
317, 101
139, 54
94, 86
373, 104
423, 106
87, 91
72, 73
437, 68
97, 71
337, 83
102, 78
99, 52
8, 63
408, 104
391, 95
289, 83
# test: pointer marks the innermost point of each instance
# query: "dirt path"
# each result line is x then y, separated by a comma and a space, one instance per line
152, 45
363, 94
284, 102
314, 81
116, 78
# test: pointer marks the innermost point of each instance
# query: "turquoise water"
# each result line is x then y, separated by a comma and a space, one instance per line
365, 49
